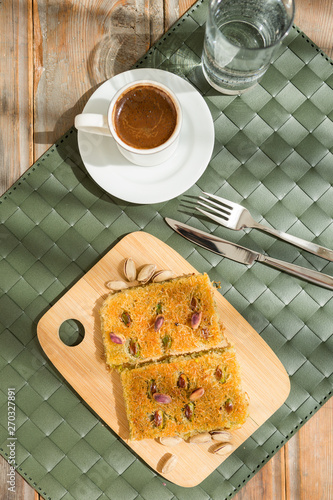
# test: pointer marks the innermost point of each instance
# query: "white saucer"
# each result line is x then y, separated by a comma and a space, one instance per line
144, 185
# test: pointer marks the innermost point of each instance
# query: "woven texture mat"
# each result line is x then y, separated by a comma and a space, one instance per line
273, 153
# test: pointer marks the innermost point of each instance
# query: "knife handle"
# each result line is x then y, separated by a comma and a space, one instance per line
301, 272
309, 246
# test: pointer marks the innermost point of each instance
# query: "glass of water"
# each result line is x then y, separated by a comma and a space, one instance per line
241, 38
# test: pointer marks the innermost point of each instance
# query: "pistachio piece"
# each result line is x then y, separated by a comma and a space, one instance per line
194, 303
205, 333
158, 418
224, 436
188, 411
129, 269
162, 275
134, 348
223, 448
166, 341
203, 437
158, 322
183, 381
116, 285
159, 308
169, 464
126, 318
117, 338
228, 406
196, 320
219, 374
146, 273
198, 393
171, 441
162, 398
152, 388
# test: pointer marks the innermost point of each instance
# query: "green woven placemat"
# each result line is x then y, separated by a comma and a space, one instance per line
273, 153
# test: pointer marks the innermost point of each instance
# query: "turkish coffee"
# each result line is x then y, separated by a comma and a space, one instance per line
144, 116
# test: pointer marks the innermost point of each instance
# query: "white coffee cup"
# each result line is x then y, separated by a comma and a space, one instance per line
105, 125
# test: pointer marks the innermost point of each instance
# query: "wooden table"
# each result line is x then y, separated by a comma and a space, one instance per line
53, 55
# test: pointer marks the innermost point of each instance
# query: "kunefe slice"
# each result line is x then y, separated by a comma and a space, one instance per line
168, 342
153, 321
185, 395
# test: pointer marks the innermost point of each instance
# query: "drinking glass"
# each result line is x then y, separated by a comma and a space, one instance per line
241, 38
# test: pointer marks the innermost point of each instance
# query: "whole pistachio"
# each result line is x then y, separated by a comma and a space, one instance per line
146, 273
129, 269
198, 393
162, 398
196, 320
223, 448
221, 436
203, 437
159, 320
117, 338
116, 285
162, 275
170, 441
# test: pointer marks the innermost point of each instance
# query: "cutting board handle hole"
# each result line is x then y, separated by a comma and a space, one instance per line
71, 332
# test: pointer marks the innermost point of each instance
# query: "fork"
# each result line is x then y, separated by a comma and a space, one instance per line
235, 216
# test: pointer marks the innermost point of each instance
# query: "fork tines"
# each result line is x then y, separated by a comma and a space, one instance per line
223, 210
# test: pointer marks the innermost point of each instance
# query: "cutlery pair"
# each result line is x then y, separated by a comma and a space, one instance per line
235, 216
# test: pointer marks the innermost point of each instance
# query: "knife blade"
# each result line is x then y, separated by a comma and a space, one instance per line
243, 255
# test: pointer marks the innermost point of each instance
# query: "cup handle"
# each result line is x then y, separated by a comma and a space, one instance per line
92, 123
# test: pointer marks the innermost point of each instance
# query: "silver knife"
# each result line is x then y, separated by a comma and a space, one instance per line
244, 255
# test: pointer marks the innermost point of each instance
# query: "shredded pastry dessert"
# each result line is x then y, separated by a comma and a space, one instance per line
156, 320
168, 343
185, 395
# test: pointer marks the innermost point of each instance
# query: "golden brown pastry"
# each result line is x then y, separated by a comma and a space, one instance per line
185, 395
157, 320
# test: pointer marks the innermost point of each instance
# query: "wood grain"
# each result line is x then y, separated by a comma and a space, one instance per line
315, 18
16, 100
81, 29
309, 470
269, 483
93, 41
263, 375
23, 490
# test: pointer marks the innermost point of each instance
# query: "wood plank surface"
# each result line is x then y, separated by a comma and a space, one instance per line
53, 55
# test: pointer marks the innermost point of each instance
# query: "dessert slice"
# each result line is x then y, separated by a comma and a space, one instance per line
156, 320
185, 395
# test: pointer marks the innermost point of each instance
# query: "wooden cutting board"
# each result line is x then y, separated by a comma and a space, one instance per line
264, 377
